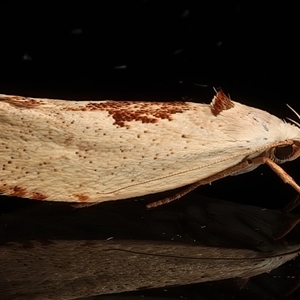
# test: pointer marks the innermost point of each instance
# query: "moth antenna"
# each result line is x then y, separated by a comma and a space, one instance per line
293, 111
296, 123
215, 90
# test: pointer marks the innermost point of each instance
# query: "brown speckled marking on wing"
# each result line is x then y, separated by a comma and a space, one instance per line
21, 102
37, 196
81, 197
17, 191
128, 111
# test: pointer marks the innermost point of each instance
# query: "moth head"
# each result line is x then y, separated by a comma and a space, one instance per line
287, 152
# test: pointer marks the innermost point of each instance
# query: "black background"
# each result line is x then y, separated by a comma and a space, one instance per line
159, 50
48, 48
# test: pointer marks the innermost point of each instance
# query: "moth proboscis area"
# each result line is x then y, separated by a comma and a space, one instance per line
95, 151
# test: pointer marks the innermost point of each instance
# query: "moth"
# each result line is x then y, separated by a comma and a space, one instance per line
96, 151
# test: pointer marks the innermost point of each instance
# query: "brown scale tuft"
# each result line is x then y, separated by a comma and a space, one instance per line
220, 102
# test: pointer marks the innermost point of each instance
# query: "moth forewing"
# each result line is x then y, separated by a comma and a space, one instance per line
95, 151
246, 165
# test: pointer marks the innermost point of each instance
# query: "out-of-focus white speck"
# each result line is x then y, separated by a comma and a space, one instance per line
120, 67
26, 57
110, 238
77, 31
185, 13
201, 85
178, 51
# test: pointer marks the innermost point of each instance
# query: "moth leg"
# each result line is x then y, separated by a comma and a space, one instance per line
237, 168
282, 174
287, 179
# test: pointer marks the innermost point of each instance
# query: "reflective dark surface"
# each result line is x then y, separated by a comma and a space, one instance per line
53, 251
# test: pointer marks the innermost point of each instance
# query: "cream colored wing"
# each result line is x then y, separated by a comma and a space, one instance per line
94, 151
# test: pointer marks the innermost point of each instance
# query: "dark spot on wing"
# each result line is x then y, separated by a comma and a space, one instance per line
81, 197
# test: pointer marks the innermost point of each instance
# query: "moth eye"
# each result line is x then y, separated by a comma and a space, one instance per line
283, 152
